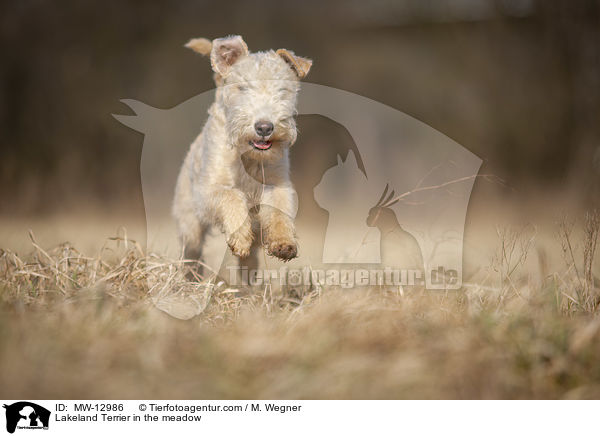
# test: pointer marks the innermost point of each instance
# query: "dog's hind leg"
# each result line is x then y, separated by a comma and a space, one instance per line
192, 241
192, 234
192, 231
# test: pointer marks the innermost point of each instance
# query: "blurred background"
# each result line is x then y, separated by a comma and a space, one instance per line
517, 82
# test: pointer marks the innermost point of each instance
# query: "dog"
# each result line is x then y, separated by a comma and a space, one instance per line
235, 176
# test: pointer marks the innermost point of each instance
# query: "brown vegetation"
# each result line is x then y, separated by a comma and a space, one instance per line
73, 326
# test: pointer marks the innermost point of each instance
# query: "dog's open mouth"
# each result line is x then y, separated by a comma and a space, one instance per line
261, 144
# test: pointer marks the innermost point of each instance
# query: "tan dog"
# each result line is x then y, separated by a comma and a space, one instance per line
240, 159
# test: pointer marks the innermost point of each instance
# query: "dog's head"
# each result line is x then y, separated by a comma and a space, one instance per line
257, 92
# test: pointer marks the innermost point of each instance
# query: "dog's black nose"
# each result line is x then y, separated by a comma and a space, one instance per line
263, 128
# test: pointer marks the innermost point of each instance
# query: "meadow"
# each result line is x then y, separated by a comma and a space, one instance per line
524, 325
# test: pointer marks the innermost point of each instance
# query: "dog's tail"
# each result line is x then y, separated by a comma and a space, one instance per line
200, 45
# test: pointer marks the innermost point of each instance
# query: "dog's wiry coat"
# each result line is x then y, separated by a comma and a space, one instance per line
233, 165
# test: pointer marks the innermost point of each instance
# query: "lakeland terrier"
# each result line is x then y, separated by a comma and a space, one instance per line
237, 170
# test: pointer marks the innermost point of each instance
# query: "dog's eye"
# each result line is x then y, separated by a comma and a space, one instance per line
242, 88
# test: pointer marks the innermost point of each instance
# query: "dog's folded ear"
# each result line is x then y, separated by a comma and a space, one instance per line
300, 65
200, 45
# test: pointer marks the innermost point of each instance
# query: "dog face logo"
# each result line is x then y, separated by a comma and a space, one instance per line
26, 415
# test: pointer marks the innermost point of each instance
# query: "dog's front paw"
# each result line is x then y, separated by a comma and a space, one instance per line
284, 250
240, 242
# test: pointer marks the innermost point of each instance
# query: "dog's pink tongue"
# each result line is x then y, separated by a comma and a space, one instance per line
263, 145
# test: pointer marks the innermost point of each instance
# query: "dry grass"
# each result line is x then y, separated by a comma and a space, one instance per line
73, 326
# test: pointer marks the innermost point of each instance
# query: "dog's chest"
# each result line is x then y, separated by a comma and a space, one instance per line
249, 181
